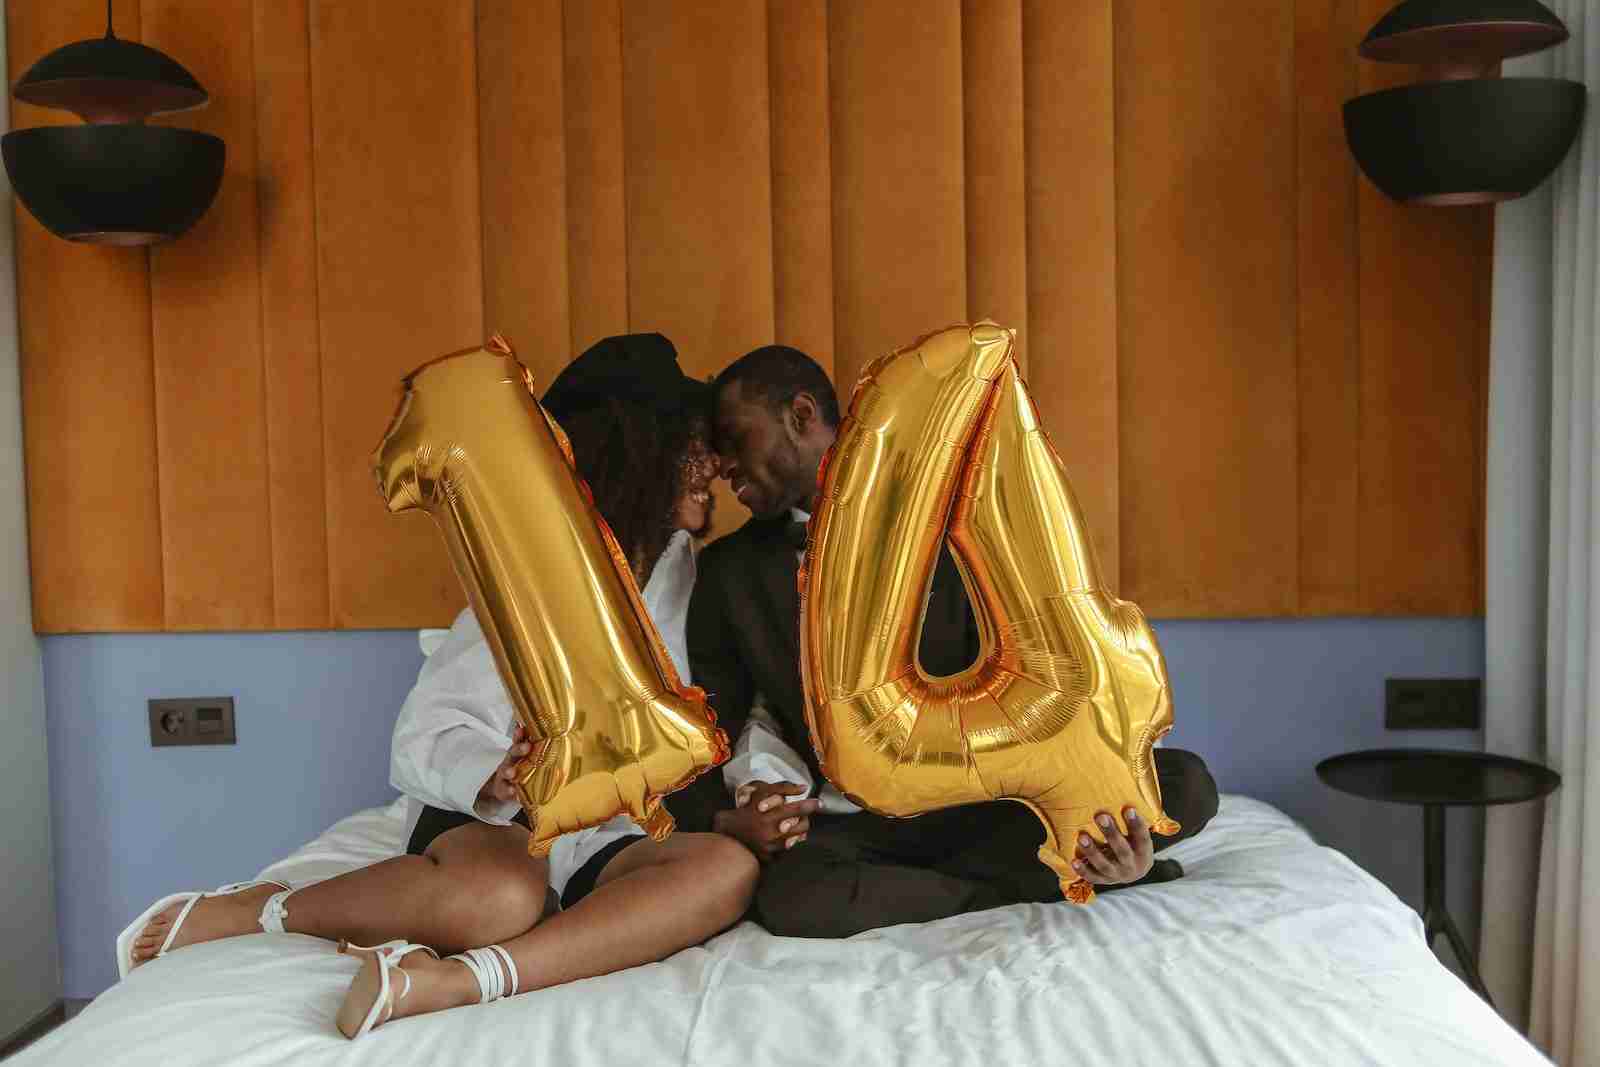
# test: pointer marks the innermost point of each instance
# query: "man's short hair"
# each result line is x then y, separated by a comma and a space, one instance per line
776, 374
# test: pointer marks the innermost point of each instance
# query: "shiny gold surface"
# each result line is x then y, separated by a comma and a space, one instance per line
1070, 689
613, 728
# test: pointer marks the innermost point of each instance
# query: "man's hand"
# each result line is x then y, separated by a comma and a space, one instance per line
765, 822
1121, 859
498, 789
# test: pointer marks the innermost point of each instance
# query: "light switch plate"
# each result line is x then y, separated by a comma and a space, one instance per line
1433, 704
191, 721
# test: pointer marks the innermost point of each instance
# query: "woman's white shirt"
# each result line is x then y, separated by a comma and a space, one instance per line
456, 724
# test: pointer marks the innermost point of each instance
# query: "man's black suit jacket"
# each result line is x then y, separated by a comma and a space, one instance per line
744, 639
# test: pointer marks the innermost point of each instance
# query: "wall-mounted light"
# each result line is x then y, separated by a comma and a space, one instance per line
1463, 135
113, 180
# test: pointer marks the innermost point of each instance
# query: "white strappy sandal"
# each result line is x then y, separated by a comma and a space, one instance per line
273, 912
369, 1003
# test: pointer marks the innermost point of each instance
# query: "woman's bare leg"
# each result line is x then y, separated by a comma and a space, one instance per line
475, 885
652, 899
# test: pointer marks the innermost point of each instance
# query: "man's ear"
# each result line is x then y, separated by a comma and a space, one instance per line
803, 413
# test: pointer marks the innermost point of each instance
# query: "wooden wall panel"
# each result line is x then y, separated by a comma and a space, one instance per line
1329, 308
597, 218
802, 180
290, 345
399, 275
1424, 295
205, 302
1267, 382
698, 165
89, 425
1207, 307
1071, 211
522, 116
1206, 265
996, 164
899, 201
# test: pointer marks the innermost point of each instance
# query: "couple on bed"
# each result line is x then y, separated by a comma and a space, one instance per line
765, 835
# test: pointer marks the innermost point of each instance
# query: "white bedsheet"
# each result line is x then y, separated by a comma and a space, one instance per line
1272, 950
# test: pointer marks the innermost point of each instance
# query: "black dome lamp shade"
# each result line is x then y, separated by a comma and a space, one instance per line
1463, 135
113, 180
1482, 32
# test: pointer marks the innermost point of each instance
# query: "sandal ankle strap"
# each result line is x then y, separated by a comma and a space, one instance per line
273, 912
494, 971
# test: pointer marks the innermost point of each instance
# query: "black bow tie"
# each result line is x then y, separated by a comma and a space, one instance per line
794, 533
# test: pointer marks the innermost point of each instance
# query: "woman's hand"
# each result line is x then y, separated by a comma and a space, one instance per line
498, 789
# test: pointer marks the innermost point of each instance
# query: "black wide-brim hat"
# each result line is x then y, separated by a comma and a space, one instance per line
636, 368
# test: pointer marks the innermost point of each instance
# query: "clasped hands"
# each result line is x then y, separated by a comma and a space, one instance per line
765, 821
769, 823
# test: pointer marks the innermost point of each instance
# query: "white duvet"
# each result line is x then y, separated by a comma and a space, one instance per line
1272, 950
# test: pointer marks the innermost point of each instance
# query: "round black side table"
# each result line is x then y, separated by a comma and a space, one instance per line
1438, 779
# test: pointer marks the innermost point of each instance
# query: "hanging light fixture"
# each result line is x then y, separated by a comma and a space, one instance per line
1463, 135
113, 180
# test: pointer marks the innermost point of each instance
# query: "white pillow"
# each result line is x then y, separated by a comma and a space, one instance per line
430, 640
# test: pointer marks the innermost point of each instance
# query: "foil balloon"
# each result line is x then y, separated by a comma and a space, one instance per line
613, 729
1070, 690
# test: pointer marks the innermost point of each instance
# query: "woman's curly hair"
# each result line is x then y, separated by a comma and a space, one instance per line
633, 458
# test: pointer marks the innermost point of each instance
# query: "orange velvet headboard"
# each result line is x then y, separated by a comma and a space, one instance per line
1266, 380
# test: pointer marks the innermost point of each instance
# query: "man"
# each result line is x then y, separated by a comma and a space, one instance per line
830, 869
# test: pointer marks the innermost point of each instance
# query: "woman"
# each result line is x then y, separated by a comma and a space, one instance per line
467, 884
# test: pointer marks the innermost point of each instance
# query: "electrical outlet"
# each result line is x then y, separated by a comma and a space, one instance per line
1433, 704
191, 721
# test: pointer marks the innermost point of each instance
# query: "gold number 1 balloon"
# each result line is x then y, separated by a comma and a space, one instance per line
612, 727
1070, 690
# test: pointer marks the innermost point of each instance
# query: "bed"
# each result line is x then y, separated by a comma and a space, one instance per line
1272, 950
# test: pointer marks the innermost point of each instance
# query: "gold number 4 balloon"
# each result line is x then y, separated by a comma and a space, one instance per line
1070, 690
613, 729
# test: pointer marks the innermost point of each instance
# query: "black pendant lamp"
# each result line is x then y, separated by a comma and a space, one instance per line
114, 180
1463, 135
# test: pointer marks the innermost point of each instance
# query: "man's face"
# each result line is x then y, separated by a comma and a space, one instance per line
761, 454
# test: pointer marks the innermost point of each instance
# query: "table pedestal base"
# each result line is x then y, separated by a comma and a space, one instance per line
1435, 917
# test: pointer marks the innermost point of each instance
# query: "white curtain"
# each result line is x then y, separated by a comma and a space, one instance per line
1516, 545
1541, 922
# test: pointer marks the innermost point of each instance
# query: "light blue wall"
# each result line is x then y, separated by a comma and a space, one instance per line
1261, 701
313, 716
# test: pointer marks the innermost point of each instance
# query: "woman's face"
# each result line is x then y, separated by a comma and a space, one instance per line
692, 511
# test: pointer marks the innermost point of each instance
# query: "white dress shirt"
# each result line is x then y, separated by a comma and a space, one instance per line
456, 724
